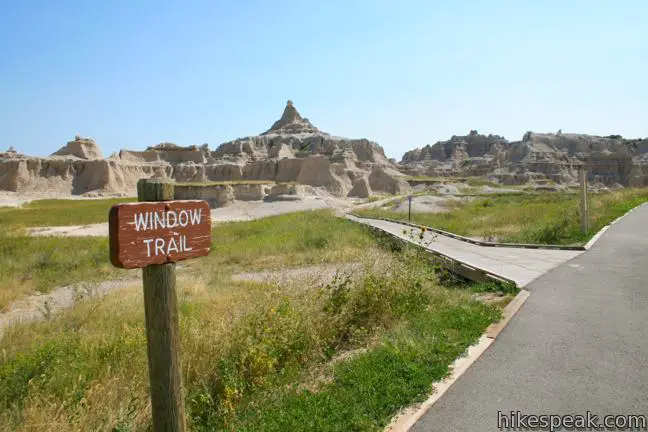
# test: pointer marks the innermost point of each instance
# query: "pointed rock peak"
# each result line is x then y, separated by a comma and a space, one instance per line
291, 123
11, 149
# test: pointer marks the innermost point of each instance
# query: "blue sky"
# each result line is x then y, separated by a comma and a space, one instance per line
403, 73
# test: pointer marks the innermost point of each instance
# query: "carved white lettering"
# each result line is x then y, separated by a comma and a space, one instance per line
141, 221
148, 246
159, 220
195, 216
173, 246
159, 246
183, 241
184, 218
175, 219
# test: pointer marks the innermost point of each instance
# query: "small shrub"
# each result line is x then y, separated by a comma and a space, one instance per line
493, 286
555, 229
337, 294
387, 241
316, 242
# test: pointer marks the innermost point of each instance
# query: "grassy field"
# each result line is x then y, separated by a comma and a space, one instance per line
58, 212
292, 239
470, 181
233, 182
255, 356
38, 264
545, 218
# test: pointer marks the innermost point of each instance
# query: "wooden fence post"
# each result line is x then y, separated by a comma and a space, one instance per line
584, 204
162, 329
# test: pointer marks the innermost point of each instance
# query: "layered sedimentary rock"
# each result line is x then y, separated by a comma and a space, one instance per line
612, 160
221, 195
82, 148
76, 177
292, 150
11, 153
361, 188
295, 150
291, 123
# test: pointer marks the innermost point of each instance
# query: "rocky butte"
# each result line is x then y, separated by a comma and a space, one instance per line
611, 160
291, 151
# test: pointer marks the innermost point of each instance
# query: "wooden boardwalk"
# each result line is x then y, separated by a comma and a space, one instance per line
514, 264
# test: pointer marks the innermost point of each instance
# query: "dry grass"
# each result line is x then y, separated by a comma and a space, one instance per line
245, 344
39, 264
96, 349
58, 212
546, 218
86, 368
95, 352
233, 182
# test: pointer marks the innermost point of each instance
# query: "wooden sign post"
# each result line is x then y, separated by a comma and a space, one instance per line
153, 235
584, 204
409, 208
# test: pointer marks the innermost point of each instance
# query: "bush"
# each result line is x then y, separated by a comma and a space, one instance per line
271, 345
554, 230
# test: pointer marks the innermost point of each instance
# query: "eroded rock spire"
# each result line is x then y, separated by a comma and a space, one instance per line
291, 123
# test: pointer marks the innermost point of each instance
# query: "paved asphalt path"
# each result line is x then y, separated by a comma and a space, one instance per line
579, 343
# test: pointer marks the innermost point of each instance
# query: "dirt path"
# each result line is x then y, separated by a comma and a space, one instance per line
40, 306
96, 230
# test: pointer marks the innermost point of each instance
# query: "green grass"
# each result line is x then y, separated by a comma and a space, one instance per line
291, 239
471, 181
38, 264
427, 179
367, 391
232, 182
254, 356
58, 212
544, 218
29, 264
374, 198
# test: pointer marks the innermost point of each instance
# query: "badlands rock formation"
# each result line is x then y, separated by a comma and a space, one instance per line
11, 153
612, 160
82, 148
291, 122
292, 150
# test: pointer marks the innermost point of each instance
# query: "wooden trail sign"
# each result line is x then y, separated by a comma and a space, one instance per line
154, 235
148, 233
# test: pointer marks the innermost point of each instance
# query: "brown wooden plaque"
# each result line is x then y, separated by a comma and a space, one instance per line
146, 233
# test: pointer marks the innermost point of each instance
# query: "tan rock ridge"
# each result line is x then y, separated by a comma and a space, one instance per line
611, 160
11, 153
83, 148
291, 151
